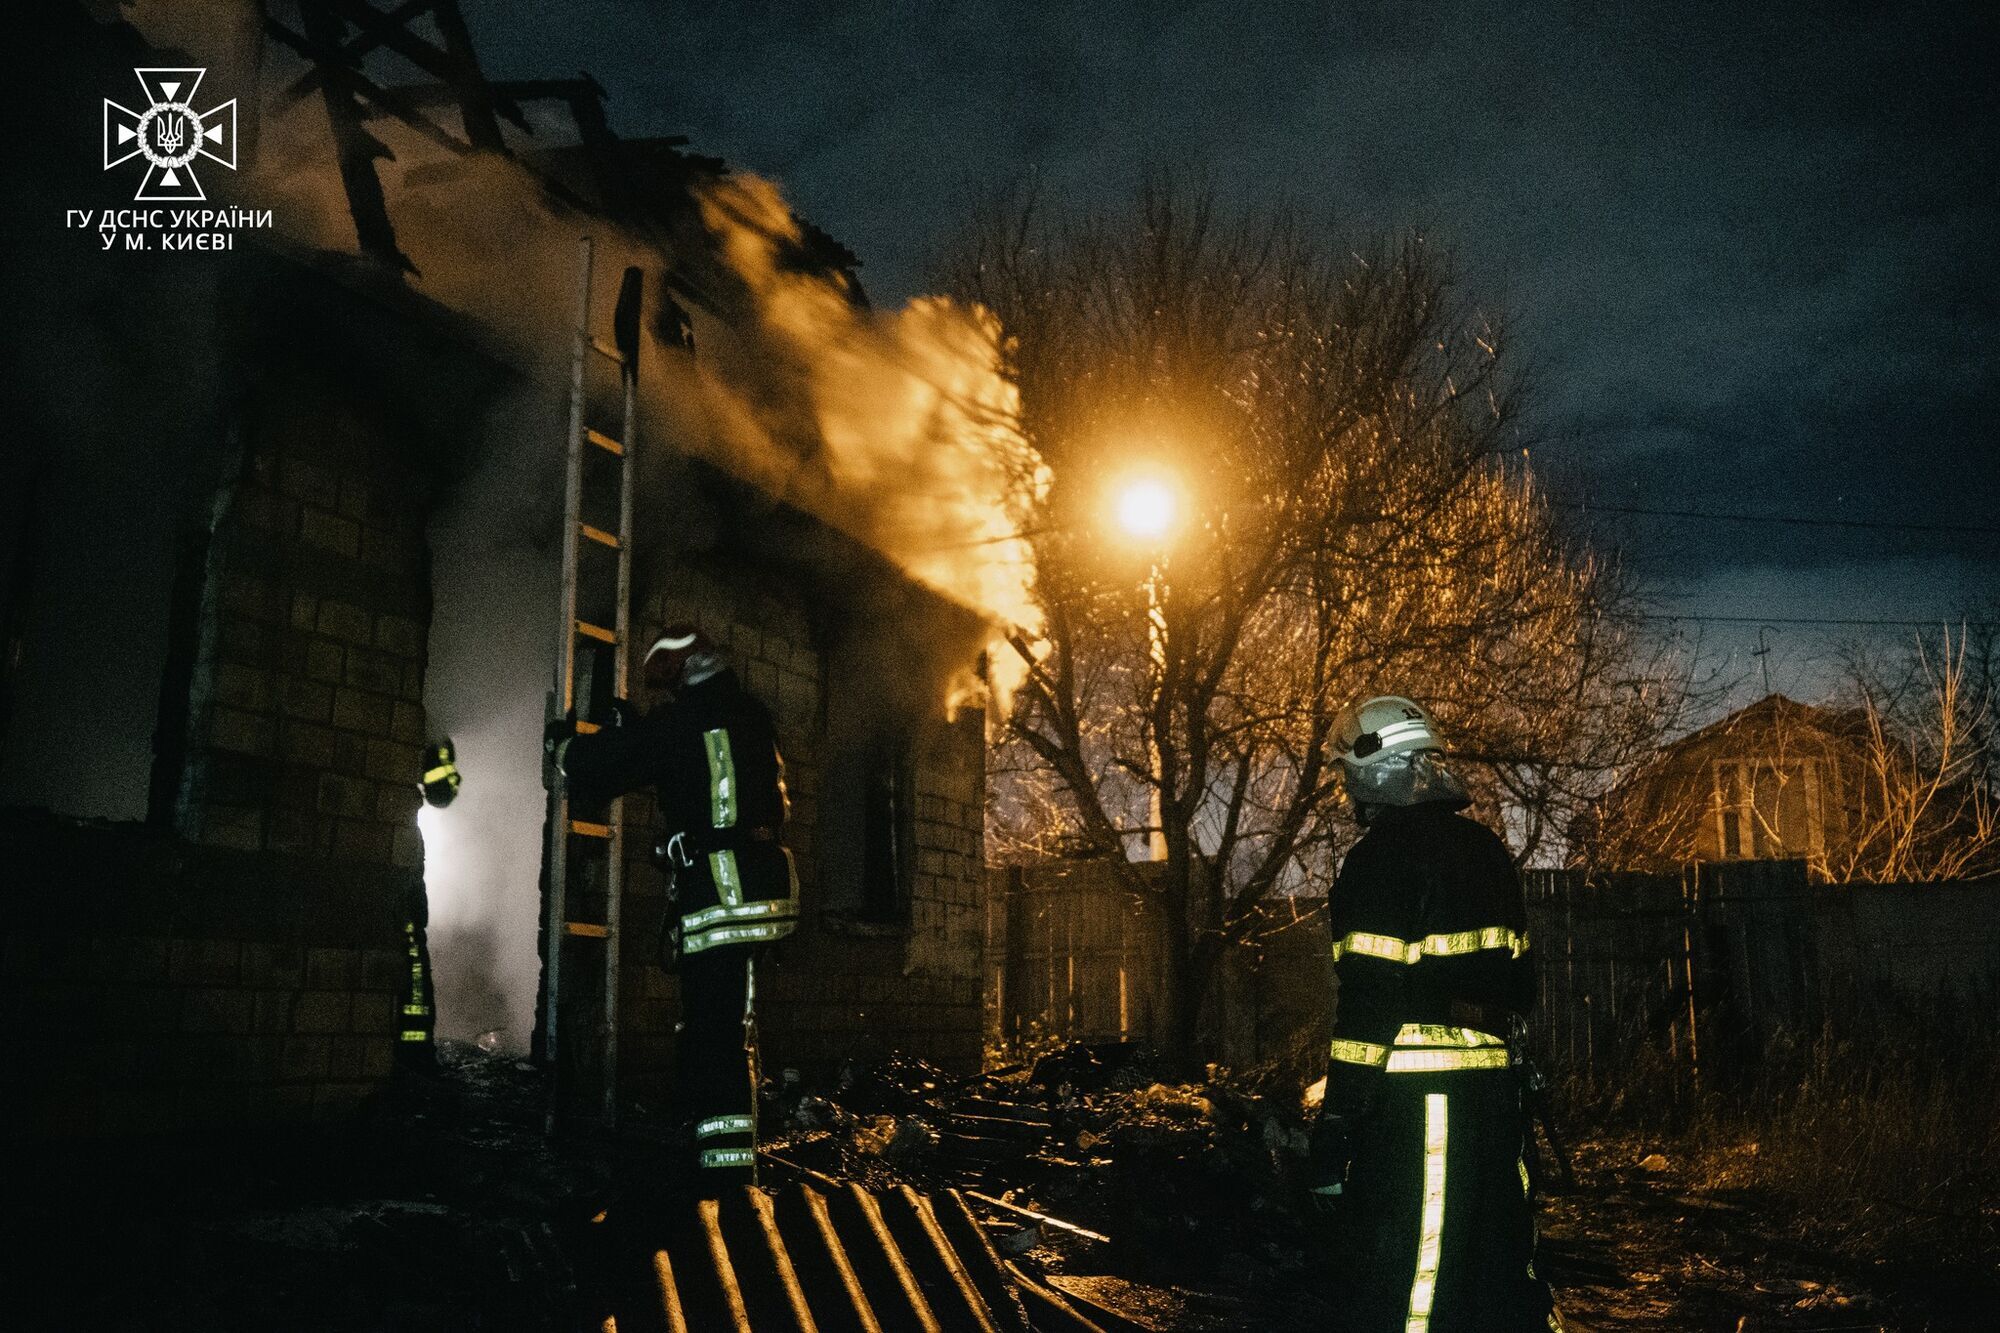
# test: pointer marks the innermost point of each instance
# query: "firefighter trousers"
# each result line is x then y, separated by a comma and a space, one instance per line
1437, 1231
714, 1069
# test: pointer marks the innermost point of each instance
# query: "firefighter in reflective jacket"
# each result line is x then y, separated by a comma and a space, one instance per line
1419, 1147
712, 755
417, 1045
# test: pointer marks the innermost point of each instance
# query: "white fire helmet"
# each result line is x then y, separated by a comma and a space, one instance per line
1391, 754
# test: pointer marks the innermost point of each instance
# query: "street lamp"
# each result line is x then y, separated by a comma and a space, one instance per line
1147, 505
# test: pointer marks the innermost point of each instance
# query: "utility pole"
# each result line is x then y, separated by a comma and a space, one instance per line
1762, 652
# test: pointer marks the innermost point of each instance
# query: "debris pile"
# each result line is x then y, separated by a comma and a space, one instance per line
1096, 1156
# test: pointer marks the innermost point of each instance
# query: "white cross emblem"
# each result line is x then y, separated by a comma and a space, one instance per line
170, 133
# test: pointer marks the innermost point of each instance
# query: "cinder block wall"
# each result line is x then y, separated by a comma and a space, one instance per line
154, 987
839, 988
305, 720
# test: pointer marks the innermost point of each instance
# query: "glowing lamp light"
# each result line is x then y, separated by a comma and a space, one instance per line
1147, 508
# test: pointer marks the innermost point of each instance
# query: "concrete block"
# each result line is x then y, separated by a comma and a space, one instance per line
394, 762
332, 969
322, 1011
399, 635
357, 840
346, 622
307, 700
350, 753
354, 710
239, 732
305, 611
378, 1012
397, 802
325, 660
378, 1057
303, 1058
330, 532
406, 848
413, 682
350, 797
407, 723
375, 671
347, 1056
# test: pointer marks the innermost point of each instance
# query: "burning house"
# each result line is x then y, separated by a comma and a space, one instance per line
261, 554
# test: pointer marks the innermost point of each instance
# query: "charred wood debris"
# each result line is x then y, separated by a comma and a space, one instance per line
1086, 1191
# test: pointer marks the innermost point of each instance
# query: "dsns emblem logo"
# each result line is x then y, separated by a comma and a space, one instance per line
170, 134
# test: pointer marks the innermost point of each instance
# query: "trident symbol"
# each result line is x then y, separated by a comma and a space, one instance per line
170, 133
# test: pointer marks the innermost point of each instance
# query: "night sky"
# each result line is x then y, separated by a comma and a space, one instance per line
1748, 249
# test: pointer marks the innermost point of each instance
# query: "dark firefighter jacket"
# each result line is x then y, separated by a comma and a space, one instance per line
1430, 950
712, 755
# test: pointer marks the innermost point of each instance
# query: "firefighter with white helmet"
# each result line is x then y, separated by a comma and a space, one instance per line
1419, 1150
711, 753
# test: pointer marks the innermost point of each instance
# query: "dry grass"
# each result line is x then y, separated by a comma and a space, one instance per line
1881, 1149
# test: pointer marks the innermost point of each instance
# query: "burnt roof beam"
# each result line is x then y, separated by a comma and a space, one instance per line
453, 63
394, 102
352, 51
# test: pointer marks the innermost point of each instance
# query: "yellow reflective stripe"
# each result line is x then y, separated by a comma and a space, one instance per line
728, 1157
1431, 946
1431, 1034
1522, 1166
728, 878
440, 773
1430, 1228
416, 1011
409, 1035
721, 779
1436, 1062
1376, 946
749, 911
723, 1124
1359, 1052
708, 939
1473, 941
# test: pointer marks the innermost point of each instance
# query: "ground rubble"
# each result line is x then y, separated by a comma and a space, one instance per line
1150, 1202
1156, 1201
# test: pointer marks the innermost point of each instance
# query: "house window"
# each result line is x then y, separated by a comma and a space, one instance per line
866, 829
1768, 809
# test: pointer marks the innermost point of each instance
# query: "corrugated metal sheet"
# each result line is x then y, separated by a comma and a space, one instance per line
836, 1260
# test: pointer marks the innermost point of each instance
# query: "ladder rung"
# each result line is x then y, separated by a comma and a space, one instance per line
587, 829
588, 728
607, 351
597, 632
603, 441
599, 535
585, 928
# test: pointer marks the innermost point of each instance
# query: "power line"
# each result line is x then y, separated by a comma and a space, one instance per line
1944, 621
1785, 520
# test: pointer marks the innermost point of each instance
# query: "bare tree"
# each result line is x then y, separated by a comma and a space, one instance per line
1358, 518
1922, 805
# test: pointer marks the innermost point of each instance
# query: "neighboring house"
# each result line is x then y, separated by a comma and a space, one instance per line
235, 556
1777, 780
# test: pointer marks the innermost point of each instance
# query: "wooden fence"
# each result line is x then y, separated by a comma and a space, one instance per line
1705, 969
1074, 955
1701, 970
